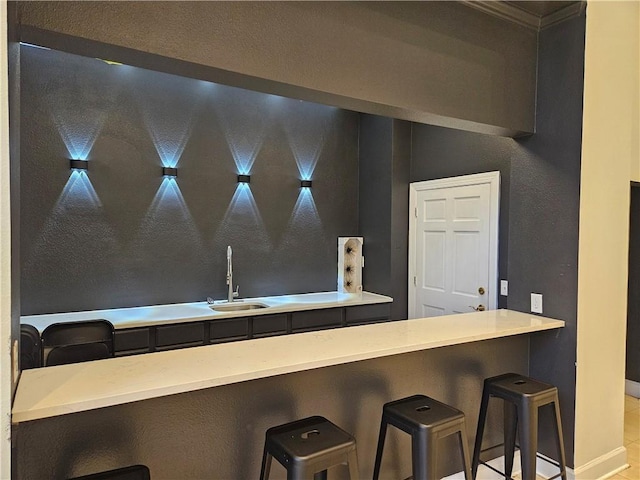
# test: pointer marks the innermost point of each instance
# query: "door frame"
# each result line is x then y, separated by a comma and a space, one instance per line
491, 178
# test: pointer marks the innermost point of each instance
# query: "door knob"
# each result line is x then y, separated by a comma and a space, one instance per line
479, 308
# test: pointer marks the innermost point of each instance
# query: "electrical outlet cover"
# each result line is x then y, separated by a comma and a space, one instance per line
536, 302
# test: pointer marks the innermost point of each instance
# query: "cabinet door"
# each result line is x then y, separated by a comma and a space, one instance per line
269, 325
316, 319
228, 330
363, 314
131, 341
180, 335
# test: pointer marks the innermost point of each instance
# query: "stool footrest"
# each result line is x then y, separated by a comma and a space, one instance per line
491, 467
541, 457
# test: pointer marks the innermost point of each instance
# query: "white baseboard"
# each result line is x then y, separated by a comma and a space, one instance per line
632, 388
604, 466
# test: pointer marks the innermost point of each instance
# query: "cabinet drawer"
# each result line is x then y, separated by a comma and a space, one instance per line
187, 334
368, 313
267, 325
316, 319
228, 330
131, 339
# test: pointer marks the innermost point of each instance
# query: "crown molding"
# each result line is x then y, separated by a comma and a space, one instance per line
563, 14
523, 18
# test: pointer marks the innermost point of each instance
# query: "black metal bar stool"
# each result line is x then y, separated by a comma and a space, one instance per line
427, 421
307, 448
522, 396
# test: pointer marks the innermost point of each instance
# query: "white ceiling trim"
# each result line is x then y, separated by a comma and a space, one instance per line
526, 19
563, 14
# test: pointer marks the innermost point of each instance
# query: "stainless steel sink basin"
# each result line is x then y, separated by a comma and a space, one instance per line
236, 307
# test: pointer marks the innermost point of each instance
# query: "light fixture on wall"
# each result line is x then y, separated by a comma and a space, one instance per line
306, 183
169, 171
79, 164
244, 178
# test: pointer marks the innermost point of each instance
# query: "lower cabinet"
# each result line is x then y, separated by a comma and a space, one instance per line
229, 330
309, 320
363, 314
169, 337
270, 325
132, 341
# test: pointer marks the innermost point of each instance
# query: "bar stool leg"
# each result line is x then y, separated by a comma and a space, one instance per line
559, 437
266, 465
432, 442
299, 472
528, 416
354, 472
420, 465
478, 442
381, 438
464, 449
510, 428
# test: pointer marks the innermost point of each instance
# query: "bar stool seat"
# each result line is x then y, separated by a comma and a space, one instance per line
427, 421
523, 396
134, 472
307, 448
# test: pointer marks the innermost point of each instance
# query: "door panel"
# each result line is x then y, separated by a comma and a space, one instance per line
452, 249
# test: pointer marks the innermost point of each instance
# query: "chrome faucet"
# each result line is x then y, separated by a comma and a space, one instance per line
232, 294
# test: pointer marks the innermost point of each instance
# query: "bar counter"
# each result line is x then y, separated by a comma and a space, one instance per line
52, 391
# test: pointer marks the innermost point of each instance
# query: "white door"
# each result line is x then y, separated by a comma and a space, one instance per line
453, 245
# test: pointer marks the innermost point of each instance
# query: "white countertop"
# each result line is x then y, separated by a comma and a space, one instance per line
52, 391
197, 311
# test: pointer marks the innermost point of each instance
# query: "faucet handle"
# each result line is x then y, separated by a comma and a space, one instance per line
237, 292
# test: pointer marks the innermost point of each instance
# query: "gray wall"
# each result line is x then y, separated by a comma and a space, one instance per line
540, 200
385, 155
633, 304
441, 152
219, 433
544, 211
433, 62
121, 235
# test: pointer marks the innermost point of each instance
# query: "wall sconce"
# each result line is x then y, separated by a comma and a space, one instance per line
79, 164
244, 178
305, 183
169, 172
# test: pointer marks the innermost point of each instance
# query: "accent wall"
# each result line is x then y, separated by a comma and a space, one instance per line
121, 234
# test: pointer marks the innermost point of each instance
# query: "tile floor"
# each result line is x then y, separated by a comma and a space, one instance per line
631, 439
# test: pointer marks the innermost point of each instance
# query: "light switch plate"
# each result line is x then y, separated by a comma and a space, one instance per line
504, 288
536, 302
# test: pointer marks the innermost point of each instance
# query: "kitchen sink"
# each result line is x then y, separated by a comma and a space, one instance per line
236, 307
